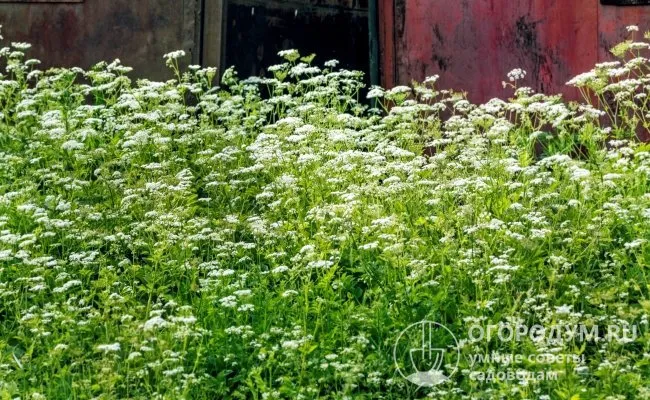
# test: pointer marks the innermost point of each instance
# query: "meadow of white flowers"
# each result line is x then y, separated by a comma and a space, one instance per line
270, 238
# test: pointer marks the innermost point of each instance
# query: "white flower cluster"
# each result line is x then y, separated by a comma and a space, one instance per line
270, 237
516, 74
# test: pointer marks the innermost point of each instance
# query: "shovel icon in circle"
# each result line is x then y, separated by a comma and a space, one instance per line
427, 361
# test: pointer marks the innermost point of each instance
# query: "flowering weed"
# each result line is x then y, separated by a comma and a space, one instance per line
271, 237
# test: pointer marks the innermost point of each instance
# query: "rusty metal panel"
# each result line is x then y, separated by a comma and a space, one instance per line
612, 25
81, 34
473, 44
387, 42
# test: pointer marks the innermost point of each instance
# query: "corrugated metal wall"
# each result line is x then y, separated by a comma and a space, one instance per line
473, 44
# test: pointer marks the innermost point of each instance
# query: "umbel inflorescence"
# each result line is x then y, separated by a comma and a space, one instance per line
271, 237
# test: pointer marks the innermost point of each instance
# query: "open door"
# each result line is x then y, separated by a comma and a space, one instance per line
256, 30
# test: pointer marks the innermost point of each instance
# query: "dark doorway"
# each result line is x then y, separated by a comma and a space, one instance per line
256, 30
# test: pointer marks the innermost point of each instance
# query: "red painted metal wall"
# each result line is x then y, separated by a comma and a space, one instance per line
473, 44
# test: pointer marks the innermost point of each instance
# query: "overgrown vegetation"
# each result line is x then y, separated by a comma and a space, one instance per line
271, 237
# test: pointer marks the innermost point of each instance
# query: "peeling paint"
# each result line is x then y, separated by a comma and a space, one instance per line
473, 44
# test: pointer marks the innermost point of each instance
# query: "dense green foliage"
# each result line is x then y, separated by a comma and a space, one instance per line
270, 238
